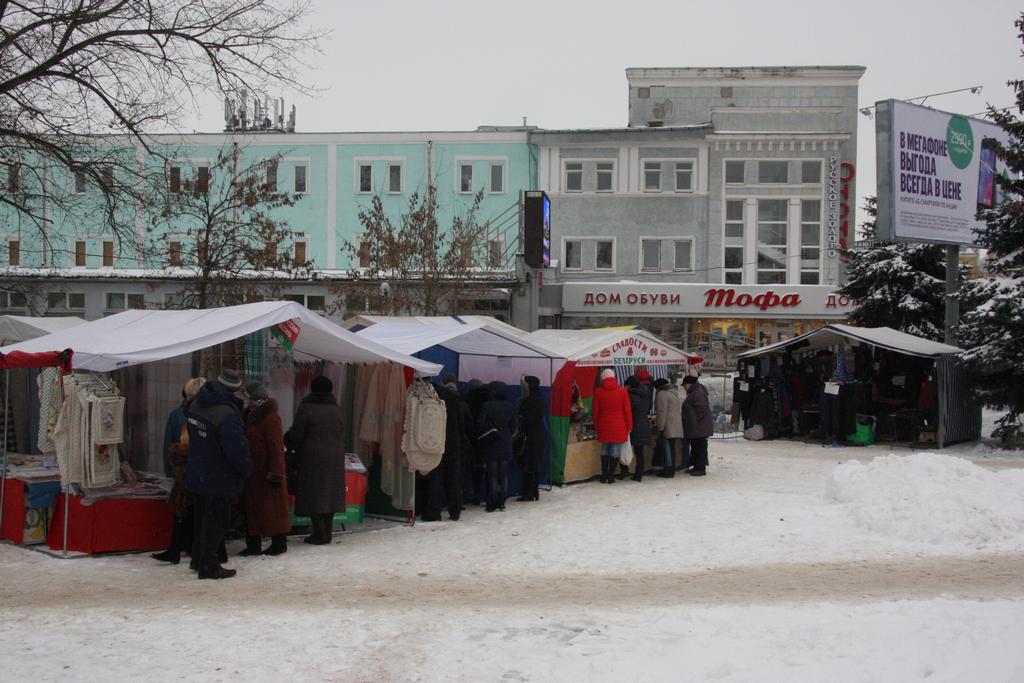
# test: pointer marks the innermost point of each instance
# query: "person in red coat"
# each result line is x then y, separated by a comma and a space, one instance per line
266, 498
613, 419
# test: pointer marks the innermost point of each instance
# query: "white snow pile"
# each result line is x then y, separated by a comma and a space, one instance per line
932, 499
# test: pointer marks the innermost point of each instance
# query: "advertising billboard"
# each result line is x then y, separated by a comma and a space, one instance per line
537, 230
935, 171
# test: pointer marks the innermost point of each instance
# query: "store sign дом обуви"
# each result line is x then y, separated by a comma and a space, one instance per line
763, 301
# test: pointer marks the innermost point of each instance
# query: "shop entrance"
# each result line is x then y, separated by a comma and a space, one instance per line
771, 331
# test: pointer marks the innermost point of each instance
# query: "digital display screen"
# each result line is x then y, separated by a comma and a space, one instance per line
547, 231
987, 174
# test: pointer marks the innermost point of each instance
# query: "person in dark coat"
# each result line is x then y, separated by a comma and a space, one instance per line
531, 438
444, 483
218, 464
644, 378
640, 434
317, 436
172, 431
266, 498
478, 395
179, 498
698, 424
494, 435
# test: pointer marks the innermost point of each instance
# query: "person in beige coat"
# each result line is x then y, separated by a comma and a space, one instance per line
669, 423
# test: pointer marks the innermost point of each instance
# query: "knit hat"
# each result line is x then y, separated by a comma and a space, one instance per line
475, 384
450, 378
643, 375
230, 379
256, 391
607, 373
321, 385
660, 382
689, 379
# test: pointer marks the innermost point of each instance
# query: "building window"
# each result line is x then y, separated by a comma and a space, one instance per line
734, 172
734, 241
314, 302
270, 181
78, 179
300, 253
365, 178
13, 302
201, 252
173, 180
683, 250
65, 302
650, 251
605, 255
684, 176
365, 254
772, 231
573, 255
495, 252
605, 176
497, 178
108, 254
773, 171
174, 254
80, 254
299, 185
394, 178
465, 177
652, 176
202, 179
13, 178
810, 242
119, 301
107, 177
574, 176
810, 172
14, 253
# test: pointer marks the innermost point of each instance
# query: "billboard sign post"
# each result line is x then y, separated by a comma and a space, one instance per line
936, 169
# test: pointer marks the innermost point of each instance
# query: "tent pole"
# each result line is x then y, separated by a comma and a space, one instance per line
3, 481
67, 506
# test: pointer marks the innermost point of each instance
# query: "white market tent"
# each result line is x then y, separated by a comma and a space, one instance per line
16, 328
361, 321
883, 337
613, 346
142, 336
959, 416
483, 349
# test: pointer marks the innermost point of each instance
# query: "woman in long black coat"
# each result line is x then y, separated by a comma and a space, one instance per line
531, 437
317, 436
494, 434
640, 433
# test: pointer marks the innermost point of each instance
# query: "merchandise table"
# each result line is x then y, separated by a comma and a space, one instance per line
112, 525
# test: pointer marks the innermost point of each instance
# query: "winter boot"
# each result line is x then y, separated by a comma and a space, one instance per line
327, 528
278, 545
222, 553
252, 547
216, 572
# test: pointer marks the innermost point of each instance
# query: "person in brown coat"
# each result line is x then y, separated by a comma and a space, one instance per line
179, 498
317, 437
266, 498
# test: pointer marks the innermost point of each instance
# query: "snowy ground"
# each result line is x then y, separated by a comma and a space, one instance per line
789, 562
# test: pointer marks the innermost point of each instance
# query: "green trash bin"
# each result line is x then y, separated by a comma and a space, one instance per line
864, 435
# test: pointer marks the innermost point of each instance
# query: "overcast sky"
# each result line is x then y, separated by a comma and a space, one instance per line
454, 65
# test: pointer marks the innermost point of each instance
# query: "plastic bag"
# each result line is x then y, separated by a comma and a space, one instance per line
626, 454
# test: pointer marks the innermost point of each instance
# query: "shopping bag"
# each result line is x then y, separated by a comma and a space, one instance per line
626, 454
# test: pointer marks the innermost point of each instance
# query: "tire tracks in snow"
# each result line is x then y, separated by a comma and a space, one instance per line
979, 577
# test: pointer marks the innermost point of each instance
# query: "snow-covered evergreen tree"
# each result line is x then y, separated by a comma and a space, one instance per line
898, 285
993, 333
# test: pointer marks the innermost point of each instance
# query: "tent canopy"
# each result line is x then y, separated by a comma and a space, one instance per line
616, 346
16, 328
483, 349
142, 336
884, 337
361, 321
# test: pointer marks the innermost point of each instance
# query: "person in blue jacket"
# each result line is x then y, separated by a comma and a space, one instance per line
218, 465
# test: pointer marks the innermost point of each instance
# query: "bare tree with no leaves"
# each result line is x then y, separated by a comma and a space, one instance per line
226, 230
425, 267
75, 72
